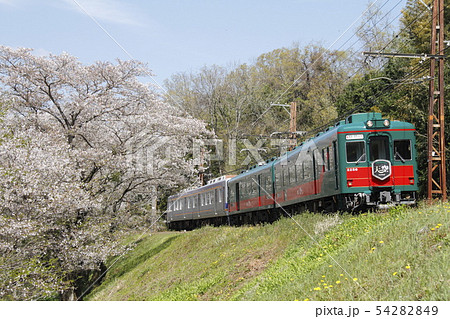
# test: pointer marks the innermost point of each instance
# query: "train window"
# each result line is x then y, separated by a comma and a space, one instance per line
299, 171
188, 203
231, 192
219, 195
328, 158
285, 176
323, 159
355, 152
402, 150
277, 180
307, 169
292, 175
331, 156
379, 148
264, 185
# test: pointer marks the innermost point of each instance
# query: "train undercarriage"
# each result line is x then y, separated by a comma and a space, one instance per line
358, 202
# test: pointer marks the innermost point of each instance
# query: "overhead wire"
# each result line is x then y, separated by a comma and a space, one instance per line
418, 69
298, 78
341, 46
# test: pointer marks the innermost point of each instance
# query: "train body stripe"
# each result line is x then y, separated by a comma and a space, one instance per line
362, 177
377, 130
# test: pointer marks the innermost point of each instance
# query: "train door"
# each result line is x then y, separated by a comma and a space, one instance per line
380, 157
238, 198
335, 165
316, 170
259, 193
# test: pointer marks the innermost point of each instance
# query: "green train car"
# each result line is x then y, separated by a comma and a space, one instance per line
362, 162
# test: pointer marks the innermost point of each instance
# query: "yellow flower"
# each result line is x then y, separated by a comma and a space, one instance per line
323, 276
407, 267
395, 273
317, 288
342, 275
296, 300
306, 299
330, 286
338, 282
381, 242
432, 229
330, 266
355, 279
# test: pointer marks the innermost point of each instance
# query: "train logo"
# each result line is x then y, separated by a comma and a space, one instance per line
381, 169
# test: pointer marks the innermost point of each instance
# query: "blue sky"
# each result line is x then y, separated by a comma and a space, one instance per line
177, 35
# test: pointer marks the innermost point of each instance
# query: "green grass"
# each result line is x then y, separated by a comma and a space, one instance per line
402, 254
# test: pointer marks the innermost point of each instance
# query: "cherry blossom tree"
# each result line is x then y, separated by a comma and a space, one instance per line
81, 146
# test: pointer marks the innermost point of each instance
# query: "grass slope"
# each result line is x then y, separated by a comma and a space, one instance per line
399, 255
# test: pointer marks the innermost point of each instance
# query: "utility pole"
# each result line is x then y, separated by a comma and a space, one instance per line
293, 126
293, 133
436, 118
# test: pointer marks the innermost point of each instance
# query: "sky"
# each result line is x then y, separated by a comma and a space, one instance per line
174, 36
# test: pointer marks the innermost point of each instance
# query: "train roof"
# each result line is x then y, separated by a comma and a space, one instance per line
371, 121
356, 122
211, 184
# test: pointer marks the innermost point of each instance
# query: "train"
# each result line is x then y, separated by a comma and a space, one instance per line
363, 162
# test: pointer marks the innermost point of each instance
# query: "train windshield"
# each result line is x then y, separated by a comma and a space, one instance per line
379, 148
402, 150
355, 152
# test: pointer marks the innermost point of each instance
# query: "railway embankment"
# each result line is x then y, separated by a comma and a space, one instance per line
401, 254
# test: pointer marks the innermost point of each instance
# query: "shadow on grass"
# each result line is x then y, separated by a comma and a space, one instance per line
130, 261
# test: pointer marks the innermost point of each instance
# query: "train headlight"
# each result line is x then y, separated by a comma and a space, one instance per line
386, 123
369, 123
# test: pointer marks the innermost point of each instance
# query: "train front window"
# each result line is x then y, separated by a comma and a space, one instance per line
355, 152
379, 148
402, 150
